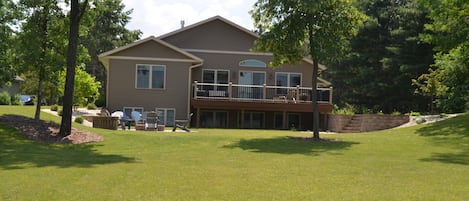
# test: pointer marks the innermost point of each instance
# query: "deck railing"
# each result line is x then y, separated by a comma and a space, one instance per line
259, 93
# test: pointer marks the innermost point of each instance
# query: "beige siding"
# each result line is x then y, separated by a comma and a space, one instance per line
231, 62
151, 49
122, 91
228, 46
214, 35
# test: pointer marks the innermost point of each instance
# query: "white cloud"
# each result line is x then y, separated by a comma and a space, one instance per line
156, 17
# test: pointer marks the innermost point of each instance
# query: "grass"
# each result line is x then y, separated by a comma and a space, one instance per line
425, 162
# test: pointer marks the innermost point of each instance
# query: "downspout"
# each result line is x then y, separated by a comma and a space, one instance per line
105, 61
190, 87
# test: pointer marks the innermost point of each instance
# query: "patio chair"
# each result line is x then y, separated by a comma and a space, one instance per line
292, 93
139, 121
151, 121
182, 124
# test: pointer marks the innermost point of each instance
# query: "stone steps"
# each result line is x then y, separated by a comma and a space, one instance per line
353, 126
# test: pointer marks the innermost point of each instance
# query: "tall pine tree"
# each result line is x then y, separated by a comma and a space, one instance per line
386, 55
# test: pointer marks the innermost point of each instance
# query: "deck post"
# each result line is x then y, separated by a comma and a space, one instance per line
297, 92
195, 89
284, 120
197, 118
264, 92
330, 95
242, 119
230, 90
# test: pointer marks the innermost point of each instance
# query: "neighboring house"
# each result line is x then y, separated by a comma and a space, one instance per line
14, 88
208, 69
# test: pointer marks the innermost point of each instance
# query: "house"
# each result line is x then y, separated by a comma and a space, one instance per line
208, 69
14, 87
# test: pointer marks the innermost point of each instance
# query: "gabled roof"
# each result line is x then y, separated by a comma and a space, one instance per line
207, 21
104, 57
256, 36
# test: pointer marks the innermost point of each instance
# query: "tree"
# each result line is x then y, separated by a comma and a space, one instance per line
449, 33
86, 87
105, 22
77, 10
385, 56
430, 84
292, 29
7, 55
41, 41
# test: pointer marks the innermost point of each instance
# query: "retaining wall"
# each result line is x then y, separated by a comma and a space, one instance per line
369, 122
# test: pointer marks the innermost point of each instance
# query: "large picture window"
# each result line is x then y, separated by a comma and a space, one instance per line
215, 77
287, 80
150, 76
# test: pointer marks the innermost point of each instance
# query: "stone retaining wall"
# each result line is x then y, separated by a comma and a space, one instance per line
336, 122
369, 122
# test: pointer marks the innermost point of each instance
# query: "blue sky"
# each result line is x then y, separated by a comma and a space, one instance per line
157, 17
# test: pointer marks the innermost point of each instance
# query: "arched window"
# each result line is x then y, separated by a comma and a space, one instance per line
252, 63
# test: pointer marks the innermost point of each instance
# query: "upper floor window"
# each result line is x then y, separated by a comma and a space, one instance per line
150, 76
215, 77
287, 80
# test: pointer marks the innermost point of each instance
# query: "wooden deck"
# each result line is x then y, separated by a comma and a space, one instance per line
241, 99
260, 105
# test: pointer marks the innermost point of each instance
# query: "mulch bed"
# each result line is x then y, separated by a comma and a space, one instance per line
47, 131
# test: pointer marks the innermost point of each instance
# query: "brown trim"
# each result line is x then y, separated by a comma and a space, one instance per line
259, 106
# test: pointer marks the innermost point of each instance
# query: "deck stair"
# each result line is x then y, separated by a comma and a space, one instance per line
354, 125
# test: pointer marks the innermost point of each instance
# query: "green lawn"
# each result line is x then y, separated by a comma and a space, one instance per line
416, 163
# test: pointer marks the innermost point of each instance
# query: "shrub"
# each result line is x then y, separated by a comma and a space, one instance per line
91, 106
60, 112
79, 120
54, 107
395, 113
15, 99
101, 101
443, 115
414, 114
421, 121
348, 109
5, 98
365, 110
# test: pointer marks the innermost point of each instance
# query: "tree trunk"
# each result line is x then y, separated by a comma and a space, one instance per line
314, 96
314, 99
75, 16
37, 114
42, 62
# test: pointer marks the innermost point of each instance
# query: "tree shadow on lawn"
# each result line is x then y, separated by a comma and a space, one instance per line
17, 152
289, 145
452, 133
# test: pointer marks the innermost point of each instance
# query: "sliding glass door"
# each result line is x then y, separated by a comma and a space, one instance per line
251, 78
